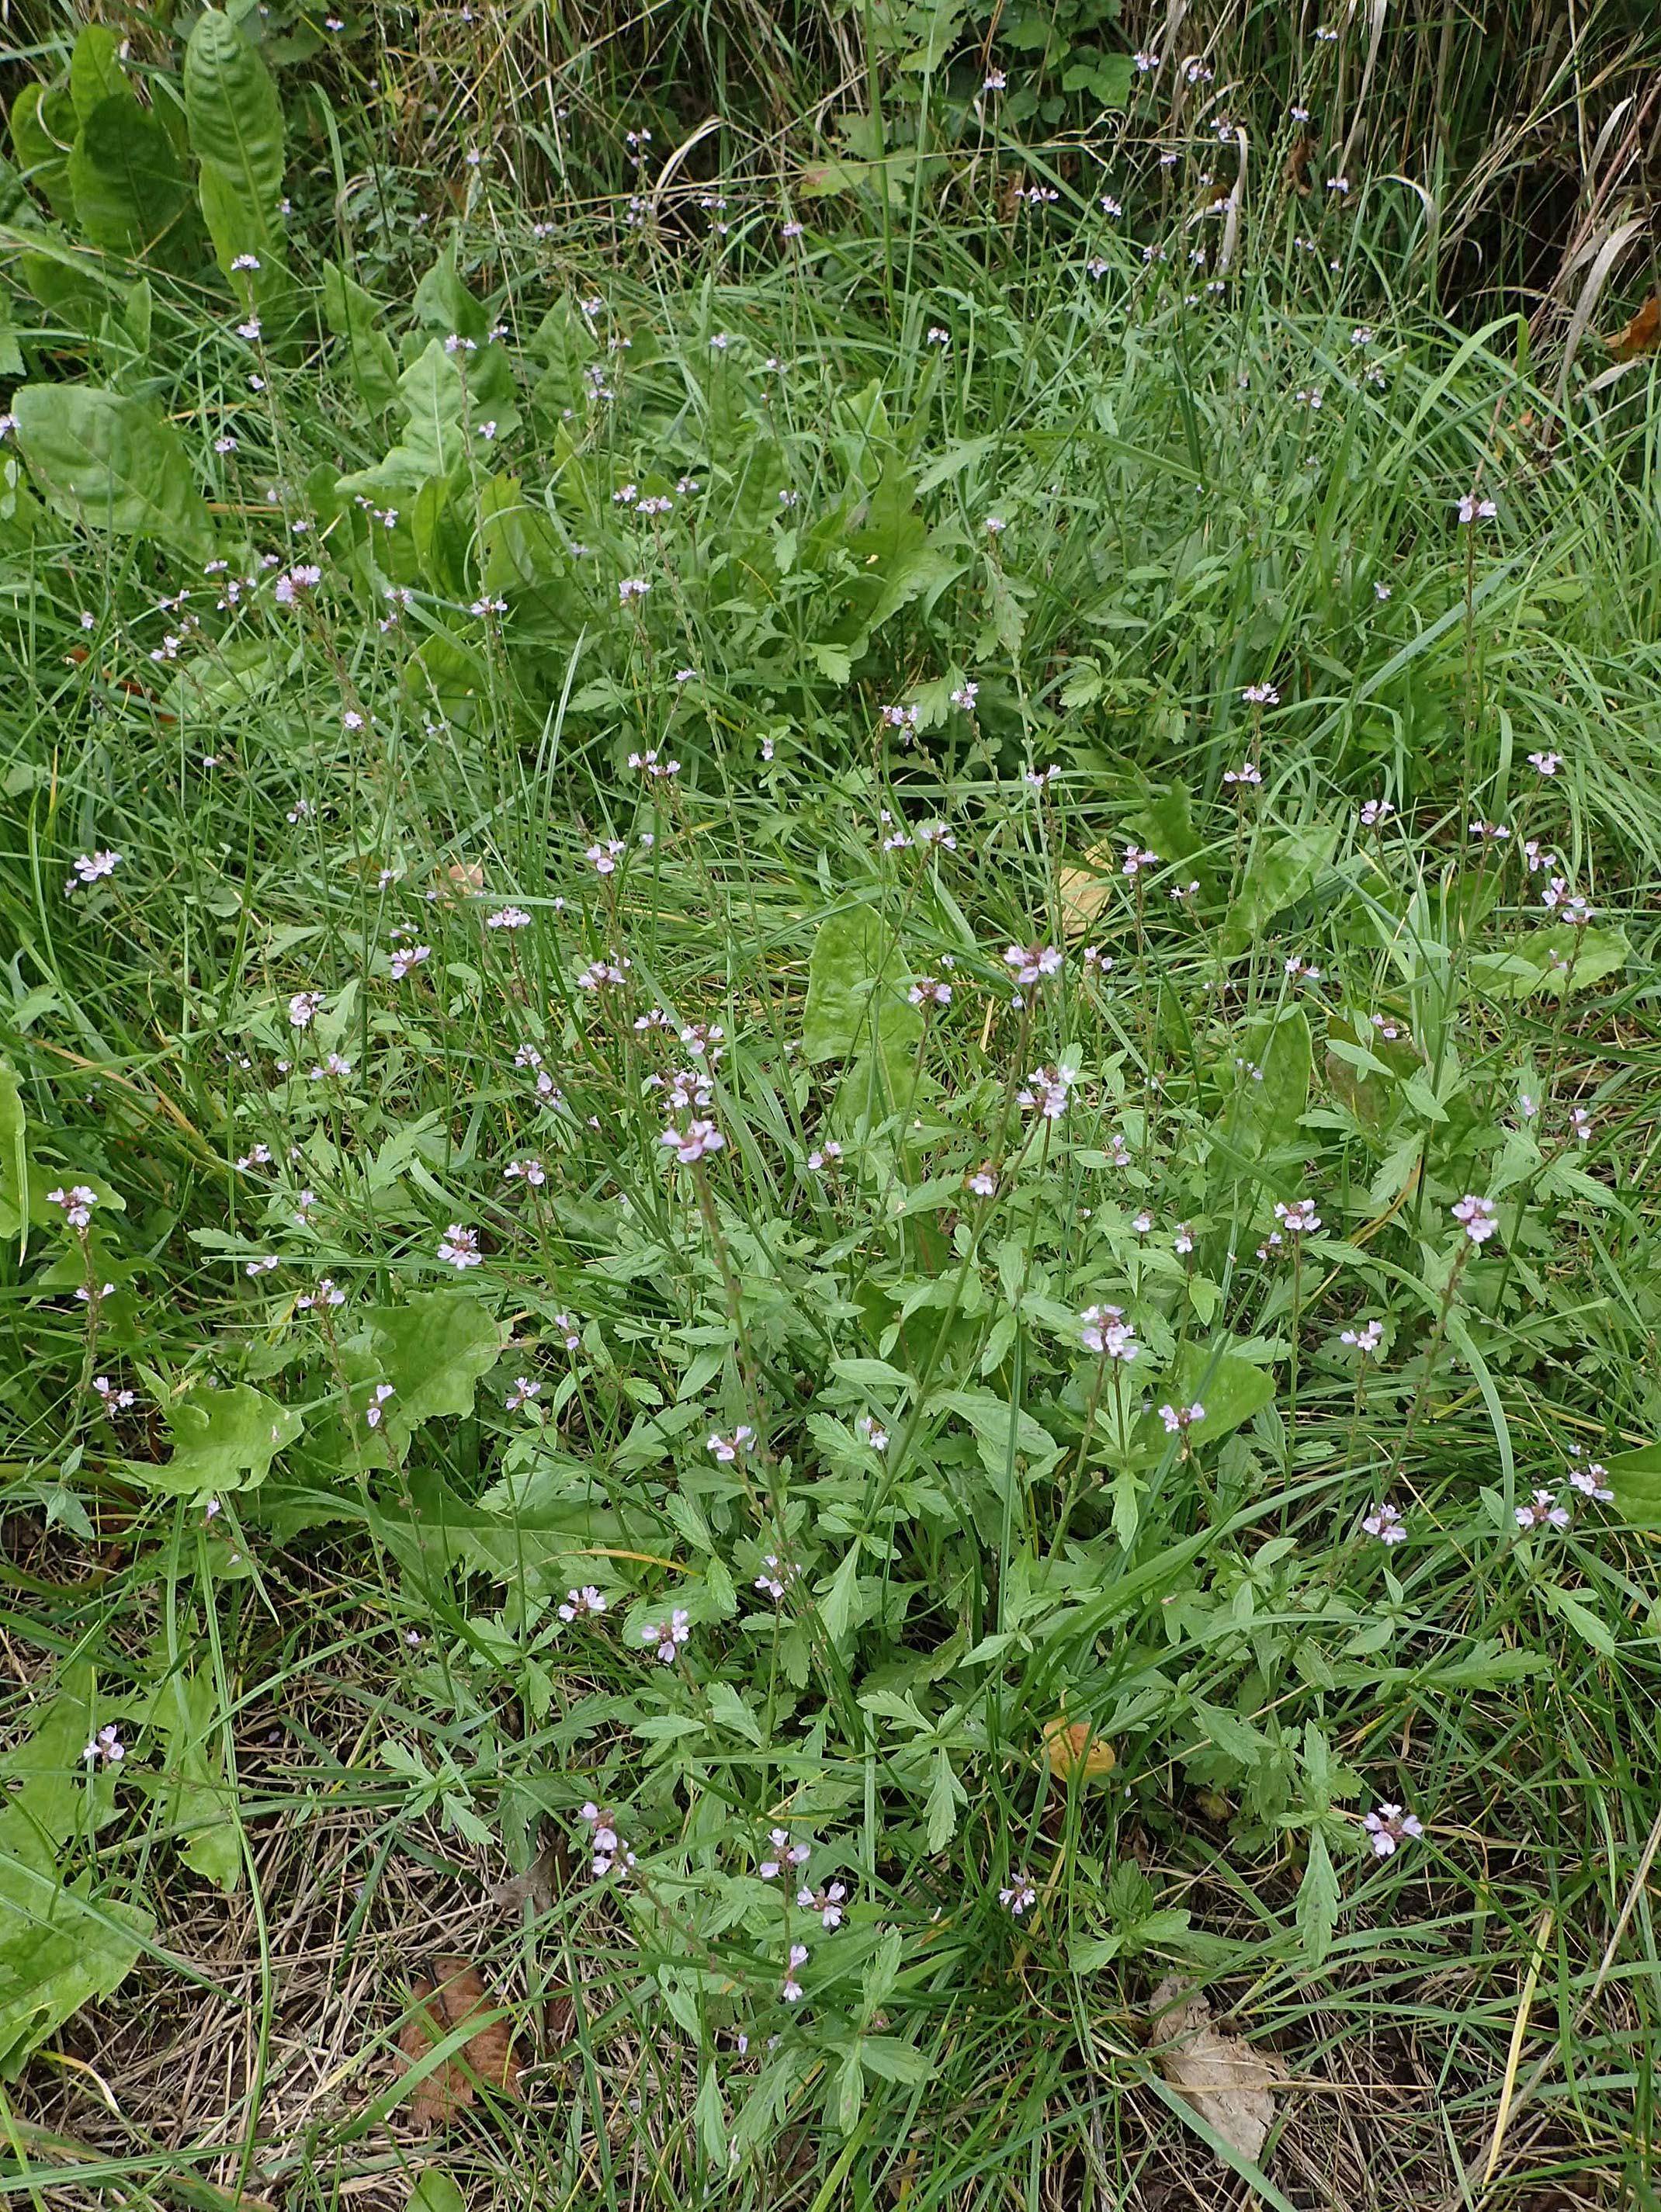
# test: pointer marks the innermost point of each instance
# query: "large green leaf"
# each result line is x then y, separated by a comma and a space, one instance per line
1550, 960
854, 975
235, 120
1635, 1479
96, 74
111, 463
351, 313
130, 194
60, 1948
193, 1797
223, 1440
43, 128
432, 1350
1231, 1389
231, 108
1277, 878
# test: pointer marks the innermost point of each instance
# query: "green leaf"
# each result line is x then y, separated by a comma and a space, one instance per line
61, 1947
854, 990
1635, 1479
193, 1797
710, 2113
839, 1604
1276, 879
1231, 1389
1548, 960
443, 303
223, 1440
43, 127
990, 1419
111, 463
1318, 1901
14, 1160
352, 314
231, 110
1571, 1607
131, 195
1267, 1115
946, 1794
436, 2190
432, 1350
234, 121
96, 74
47, 1794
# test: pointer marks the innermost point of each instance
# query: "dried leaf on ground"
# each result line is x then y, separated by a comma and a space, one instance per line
486, 2058
1074, 1748
1083, 894
1642, 334
1226, 2080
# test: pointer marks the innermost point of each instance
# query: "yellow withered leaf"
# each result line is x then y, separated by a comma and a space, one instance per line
1073, 1747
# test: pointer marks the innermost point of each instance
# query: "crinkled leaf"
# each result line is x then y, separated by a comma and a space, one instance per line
223, 1440
1278, 878
432, 1350
192, 1794
111, 463
1548, 960
60, 1948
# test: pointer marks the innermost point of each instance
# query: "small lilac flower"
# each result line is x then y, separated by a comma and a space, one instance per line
1543, 1511
727, 1448
1104, 1331
1480, 1217
1299, 1218
691, 1144
458, 1248
1178, 1419
1029, 963
668, 1635
1388, 1827
1472, 509
373, 1412
1592, 1481
524, 1389
1365, 1340
1020, 1897
1386, 1524
791, 1990
583, 1604
1046, 1091
106, 1748
827, 1903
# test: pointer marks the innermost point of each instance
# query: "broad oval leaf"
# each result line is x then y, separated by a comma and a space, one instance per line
111, 463
131, 195
223, 1440
231, 106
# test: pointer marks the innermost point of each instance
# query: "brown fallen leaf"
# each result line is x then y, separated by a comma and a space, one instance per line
1225, 2080
487, 2058
1296, 173
1073, 1748
1641, 335
1083, 894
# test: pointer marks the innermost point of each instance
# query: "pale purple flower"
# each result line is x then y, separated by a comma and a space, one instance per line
827, 1903
1365, 1340
106, 1748
784, 1854
1247, 773
408, 957
1385, 1523
373, 1411
1261, 694
1375, 812
1178, 1419
668, 1635
1479, 1217
1592, 1481
694, 1142
1020, 1897
1183, 1242
1388, 1827
1546, 764
984, 1181
1104, 1331
1472, 509
507, 917
1543, 1511
791, 1989
1046, 1090
458, 1248
1029, 963
727, 1449
114, 1401
77, 1202
776, 1576
583, 1604
1299, 1218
